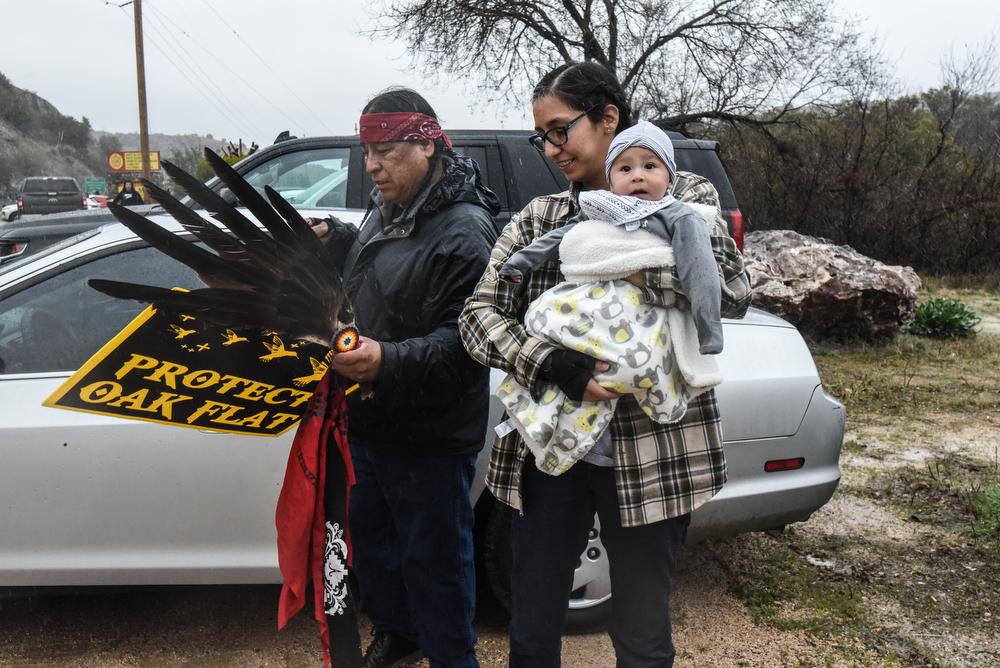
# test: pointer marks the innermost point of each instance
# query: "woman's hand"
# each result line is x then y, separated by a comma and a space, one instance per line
573, 372
361, 364
594, 392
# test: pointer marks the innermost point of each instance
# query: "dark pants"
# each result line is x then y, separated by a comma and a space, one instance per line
548, 540
411, 529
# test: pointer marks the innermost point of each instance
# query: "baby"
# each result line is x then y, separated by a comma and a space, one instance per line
640, 169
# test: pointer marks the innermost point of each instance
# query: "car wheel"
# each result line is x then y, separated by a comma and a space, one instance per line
590, 601
12, 217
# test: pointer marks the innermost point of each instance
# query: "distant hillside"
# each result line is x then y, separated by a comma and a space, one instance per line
36, 139
167, 145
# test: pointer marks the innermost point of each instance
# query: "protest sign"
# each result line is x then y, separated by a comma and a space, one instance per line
177, 369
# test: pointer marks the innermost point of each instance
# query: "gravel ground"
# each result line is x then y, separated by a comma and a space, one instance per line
235, 626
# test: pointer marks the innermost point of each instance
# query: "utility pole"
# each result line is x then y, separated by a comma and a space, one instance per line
140, 69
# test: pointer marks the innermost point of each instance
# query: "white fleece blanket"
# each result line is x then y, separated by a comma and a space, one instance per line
652, 353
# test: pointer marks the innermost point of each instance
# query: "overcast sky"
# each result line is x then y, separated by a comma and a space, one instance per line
251, 68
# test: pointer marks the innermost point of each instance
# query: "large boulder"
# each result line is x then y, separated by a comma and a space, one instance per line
826, 290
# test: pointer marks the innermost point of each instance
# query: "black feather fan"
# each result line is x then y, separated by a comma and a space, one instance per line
283, 278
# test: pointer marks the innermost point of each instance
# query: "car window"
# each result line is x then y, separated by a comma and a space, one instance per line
58, 323
706, 163
50, 185
477, 153
308, 179
530, 174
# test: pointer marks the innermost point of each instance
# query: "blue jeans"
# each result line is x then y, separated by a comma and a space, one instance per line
411, 530
547, 542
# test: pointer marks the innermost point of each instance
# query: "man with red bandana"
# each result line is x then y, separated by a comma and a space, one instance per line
415, 432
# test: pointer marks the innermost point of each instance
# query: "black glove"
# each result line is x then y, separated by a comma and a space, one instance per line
570, 370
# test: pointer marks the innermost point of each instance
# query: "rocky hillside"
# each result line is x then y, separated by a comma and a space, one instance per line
35, 139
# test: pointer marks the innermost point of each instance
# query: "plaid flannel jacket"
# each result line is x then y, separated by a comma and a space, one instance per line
661, 471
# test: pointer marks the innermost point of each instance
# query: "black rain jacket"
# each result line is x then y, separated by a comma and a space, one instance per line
407, 275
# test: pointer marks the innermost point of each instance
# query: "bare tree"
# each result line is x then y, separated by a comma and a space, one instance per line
682, 62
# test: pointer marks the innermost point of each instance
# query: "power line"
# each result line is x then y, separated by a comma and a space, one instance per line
221, 111
269, 69
186, 78
205, 79
249, 86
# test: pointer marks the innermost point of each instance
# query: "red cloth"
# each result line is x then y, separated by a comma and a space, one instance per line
399, 126
300, 516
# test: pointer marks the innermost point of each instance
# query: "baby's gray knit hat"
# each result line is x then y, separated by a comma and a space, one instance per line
644, 135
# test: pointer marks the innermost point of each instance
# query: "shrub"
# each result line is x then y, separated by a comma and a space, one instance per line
944, 318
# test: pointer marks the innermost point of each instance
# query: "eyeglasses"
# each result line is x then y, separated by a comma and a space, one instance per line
557, 136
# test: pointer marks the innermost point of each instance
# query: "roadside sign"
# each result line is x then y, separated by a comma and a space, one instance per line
131, 161
92, 184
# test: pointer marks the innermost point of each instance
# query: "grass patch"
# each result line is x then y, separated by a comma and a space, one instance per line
950, 489
780, 586
854, 447
988, 282
985, 506
783, 582
913, 375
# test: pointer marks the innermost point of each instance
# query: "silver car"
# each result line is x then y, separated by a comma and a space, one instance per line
93, 500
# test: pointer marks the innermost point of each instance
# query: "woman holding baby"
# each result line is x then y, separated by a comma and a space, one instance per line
642, 477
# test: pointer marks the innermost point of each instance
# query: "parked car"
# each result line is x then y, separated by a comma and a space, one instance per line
49, 194
96, 201
8, 212
95, 500
305, 172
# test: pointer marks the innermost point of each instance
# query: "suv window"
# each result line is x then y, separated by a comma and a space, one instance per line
314, 179
60, 185
530, 174
58, 323
706, 163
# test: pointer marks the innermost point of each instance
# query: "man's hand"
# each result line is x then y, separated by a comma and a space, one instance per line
361, 364
319, 226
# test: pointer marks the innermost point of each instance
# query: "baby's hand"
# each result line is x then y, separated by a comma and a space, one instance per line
637, 280
510, 274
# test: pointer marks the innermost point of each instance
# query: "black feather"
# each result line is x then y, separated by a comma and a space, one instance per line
233, 220
251, 199
203, 262
285, 279
216, 239
224, 306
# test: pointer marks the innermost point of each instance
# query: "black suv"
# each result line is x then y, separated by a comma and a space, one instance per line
327, 173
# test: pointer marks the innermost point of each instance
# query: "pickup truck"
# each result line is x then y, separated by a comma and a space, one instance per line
328, 173
49, 194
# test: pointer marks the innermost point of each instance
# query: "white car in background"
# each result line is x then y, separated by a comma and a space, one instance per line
8, 212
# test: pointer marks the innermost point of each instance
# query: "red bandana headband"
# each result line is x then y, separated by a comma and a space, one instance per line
400, 126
